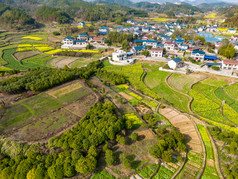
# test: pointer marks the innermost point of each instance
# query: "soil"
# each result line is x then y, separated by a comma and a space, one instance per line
126, 96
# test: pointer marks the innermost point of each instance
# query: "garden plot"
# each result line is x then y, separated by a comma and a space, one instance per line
165, 172
61, 61
46, 127
27, 110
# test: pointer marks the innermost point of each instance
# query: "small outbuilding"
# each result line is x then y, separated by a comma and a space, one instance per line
175, 63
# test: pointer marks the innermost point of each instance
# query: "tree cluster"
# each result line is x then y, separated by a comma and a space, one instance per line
50, 14
40, 79
166, 145
117, 37
227, 50
99, 124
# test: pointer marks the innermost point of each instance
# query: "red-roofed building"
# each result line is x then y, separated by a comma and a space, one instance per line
234, 38
230, 64
99, 39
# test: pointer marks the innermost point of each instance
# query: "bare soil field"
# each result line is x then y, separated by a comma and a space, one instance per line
126, 96
60, 62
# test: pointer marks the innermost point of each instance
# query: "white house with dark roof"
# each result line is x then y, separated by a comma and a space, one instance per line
152, 43
68, 40
82, 24
83, 36
175, 63
231, 31
198, 55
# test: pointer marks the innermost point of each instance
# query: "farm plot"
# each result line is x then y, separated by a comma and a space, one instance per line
25, 111
156, 81
46, 127
207, 108
183, 82
148, 171
207, 91
210, 170
193, 165
217, 81
232, 91
14, 64
38, 60
25, 55
163, 173
134, 74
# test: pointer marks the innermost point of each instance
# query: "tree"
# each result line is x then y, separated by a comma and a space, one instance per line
86, 165
110, 158
155, 151
134, 136
145, 53
121, 140
227, 50
125, 45
31, 174
56, 171
167, 156
69, 170
93, 151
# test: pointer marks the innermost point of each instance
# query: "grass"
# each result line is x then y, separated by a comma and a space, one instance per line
26, 110
156, 81
232, 91
134, 74
4, 69
215, 82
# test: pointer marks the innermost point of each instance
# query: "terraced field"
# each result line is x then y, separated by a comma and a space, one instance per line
134, 74
182, 82
156, 81
210, 169
165, 172
186, 126
232, 91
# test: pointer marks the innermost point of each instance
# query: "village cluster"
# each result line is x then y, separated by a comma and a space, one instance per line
156, 39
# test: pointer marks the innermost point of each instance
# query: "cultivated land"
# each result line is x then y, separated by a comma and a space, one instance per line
47, 114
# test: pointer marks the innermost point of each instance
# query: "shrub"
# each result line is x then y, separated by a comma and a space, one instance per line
215, 68
56, 33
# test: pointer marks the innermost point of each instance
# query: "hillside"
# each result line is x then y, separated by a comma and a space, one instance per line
14, 18
167, 7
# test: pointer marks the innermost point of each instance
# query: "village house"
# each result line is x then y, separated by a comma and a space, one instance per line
198, 55
99, 39
81, 24
103, 30
80, 43
175, 63
230, 65
68, 40
121, 57
156, 52
83, 36
169, 45
234, 38
138, 49
152, 43
145, 30
231, 31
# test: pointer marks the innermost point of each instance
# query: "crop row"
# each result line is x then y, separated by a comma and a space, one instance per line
147, 171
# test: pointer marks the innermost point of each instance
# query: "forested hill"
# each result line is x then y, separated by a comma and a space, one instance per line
231, 14
167, 7
14, 18
121, 2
